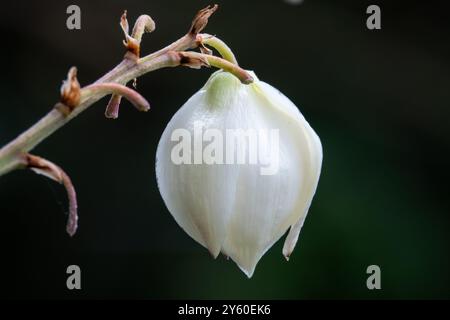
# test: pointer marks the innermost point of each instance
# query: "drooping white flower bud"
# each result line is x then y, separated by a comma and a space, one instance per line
237, 166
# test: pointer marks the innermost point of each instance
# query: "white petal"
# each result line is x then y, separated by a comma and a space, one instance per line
265, 206
316, 161
292, 237
312, 170
198, 196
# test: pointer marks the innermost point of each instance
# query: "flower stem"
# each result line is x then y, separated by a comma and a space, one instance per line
191, 57
118, 89
220, 46
12, 155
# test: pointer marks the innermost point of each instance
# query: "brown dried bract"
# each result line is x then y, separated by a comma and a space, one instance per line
202, 47
70, 90
132, 45
201, 19
191, 61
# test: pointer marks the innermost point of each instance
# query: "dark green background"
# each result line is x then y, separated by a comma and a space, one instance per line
379, 100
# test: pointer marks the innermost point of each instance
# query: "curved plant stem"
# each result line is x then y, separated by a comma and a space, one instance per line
112, 109
217, 62
75, 99
54, 172
12, 155
118, 89
220, 46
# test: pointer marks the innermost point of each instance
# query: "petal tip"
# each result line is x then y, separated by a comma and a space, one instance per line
248, 270
214, 252
248, 273
287, 253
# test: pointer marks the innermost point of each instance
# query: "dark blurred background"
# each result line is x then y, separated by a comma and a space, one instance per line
379, 100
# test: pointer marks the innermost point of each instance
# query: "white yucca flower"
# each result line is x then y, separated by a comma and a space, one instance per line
236, 208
